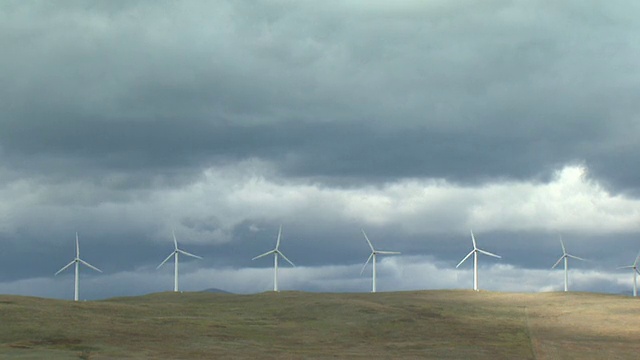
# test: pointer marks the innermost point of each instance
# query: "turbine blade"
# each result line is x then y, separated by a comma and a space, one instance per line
65, 267
365, 264
575, 257
284, 257
558, 262
388, 252
465, 258
368, 242
89, 265
175, 241
189, 254
77, 246
635, 263
490, 254
165, 260
279, 234
473, 239
638, 271
564, 250
626, 267
265, 254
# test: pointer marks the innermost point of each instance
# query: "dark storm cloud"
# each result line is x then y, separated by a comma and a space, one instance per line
321, 150
457, 92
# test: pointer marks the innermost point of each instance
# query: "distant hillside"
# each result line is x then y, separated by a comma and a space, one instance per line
297, 325
215, 291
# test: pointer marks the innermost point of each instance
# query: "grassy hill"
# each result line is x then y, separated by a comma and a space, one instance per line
296, 325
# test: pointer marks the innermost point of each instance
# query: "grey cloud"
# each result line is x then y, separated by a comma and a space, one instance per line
324, 151
383, 95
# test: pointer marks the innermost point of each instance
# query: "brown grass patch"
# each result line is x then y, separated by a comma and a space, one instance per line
296, 325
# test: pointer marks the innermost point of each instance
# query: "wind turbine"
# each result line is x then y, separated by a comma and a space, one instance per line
475, 252
565, 256
275, 253
175, 253
635, 274
77, 262
374, 252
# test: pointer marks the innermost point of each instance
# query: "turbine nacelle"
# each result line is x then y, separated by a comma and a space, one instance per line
565, 254
476, 250
274, 251
634, 266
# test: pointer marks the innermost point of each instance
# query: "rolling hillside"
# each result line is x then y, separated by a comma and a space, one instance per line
296, 325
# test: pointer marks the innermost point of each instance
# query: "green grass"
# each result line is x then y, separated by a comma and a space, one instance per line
297, 325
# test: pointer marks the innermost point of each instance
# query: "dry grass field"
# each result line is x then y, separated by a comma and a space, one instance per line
297, 325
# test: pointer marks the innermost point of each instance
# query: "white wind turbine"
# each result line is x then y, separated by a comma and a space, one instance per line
475, 252
635, 274
565, 256
275, 253
77, 262
175, 253
374, 252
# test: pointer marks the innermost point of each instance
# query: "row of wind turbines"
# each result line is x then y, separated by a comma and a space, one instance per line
77, 261
565, 257
372, 258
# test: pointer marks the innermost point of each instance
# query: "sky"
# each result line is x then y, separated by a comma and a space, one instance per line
417, 121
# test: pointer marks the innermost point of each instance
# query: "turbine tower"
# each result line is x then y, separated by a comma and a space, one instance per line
374, 252
565, 256
635, 274
77, 261
175, 253
475, 252
275, 253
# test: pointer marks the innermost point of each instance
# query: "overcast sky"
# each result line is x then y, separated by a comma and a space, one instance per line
414, 120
